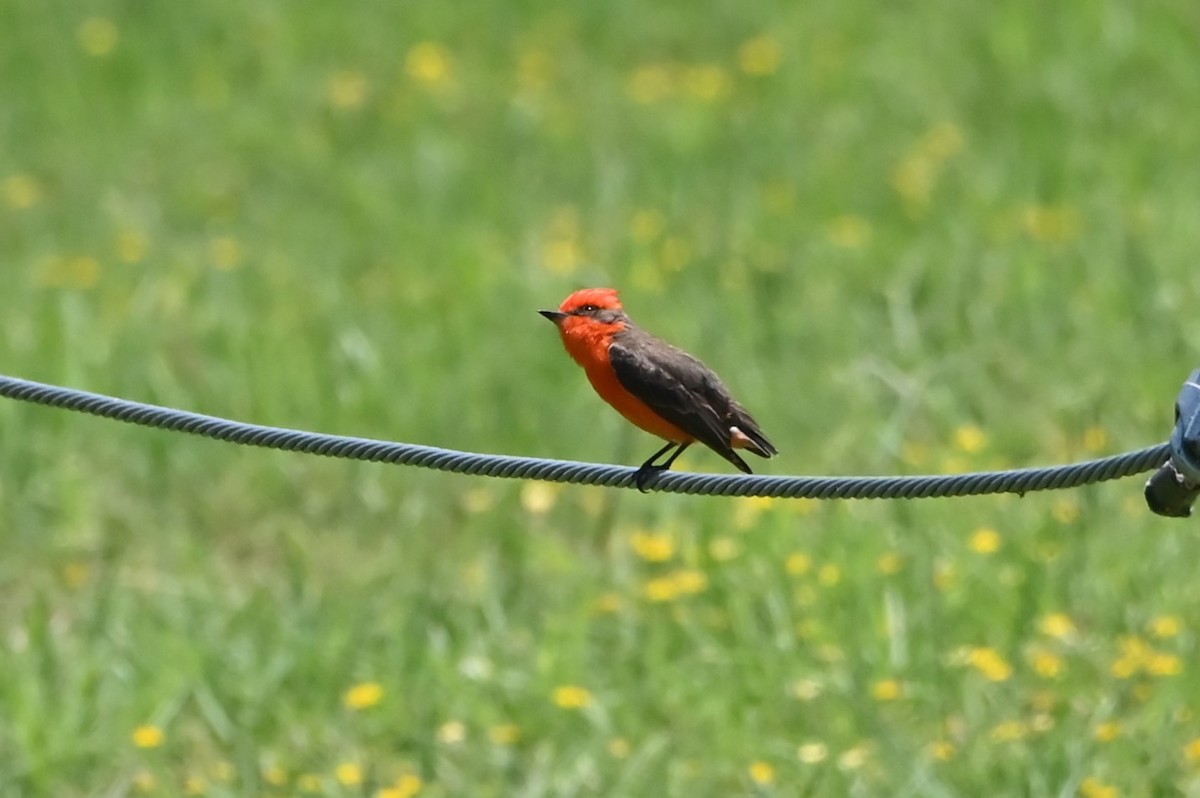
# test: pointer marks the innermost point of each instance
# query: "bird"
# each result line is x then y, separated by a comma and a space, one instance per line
654, 385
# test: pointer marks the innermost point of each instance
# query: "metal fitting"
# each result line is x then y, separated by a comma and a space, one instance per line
1174, 488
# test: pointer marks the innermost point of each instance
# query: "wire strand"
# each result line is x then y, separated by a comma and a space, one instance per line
1019, 481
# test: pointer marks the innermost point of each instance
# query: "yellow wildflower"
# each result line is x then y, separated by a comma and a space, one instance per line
723, 549
1092, 787
75, 574
1009, 731
690, 581
504, 733
1054, 224
829, 575
747, 510
889, 563
430, 65
571, 696
653, 547
148, 736
914, 179
1135, 656
363, 695
20, 192
608, 603
1124, 667
1044, 700
942, 141
562, 256
674, 254
850, 232
98, 36
1049, 550
990, 663
806, 689
406, 786
942, 750
659, 589
853, 758
1160, 664
562, 246
349, 774
535, 71
647, 225
798, 563
970, 438
1042, 722
275, 775
226, 253
945, 575
707, 82
1057, 625
308, 782
131, 246
452, 732
812, 753
887, 690
651, 83
803, 506
914, 454
985, 541
760, 56
1107, 732
347, 89
1065, 511
1095, 439
1165, 626
80, 272
762, 773
537, 498
1047, 664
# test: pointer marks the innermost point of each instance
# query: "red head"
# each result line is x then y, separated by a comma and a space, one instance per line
602, 298
587, 319
589, 308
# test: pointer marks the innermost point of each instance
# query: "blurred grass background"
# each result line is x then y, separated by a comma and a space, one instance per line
915, 237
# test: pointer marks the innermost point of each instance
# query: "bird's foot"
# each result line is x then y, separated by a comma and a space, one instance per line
644, 474
650, 468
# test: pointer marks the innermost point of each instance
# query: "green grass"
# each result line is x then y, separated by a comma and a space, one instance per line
926, 237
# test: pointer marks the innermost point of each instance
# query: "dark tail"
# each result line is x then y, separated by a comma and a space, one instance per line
731, 456
762, 447
746, 423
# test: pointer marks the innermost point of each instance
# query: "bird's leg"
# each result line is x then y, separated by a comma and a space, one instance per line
675, 456
650, 467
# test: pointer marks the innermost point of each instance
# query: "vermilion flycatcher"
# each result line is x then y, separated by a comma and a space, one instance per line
658, 387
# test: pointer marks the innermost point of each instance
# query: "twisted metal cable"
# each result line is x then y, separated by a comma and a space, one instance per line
1019, 481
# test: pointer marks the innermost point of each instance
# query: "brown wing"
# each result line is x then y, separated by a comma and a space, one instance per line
685, 392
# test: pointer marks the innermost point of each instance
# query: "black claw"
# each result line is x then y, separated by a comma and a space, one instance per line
644, 474
649, 468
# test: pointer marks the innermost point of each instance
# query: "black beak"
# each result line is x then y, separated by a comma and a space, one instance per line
554, 315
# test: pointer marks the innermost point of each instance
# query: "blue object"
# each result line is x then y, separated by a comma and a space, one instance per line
1174, 488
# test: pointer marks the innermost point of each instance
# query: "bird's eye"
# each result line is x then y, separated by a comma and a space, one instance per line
588, 309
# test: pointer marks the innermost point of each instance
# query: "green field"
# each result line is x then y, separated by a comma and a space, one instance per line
913, 238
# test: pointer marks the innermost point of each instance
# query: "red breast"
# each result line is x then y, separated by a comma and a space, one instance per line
587, 340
